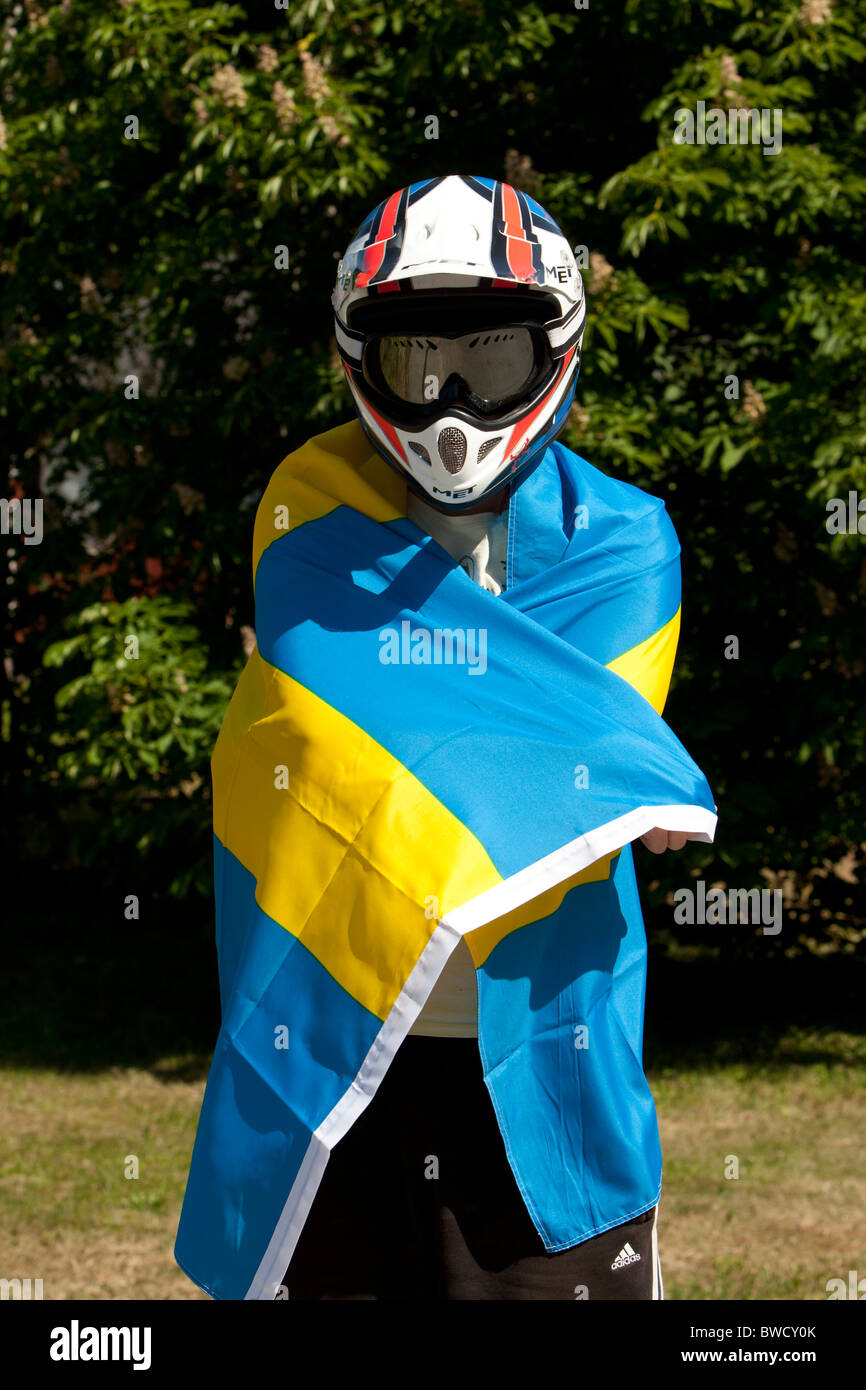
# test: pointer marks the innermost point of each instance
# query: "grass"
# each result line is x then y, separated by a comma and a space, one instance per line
791, 1220
780, 1230
69, 1214
106, 1039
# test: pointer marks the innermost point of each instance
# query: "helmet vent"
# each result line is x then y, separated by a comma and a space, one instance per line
452, 448
420, 451
486, 447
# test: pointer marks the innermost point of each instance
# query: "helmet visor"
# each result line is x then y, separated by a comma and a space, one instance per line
491, 368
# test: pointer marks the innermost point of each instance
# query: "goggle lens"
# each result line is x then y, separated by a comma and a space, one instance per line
495, 366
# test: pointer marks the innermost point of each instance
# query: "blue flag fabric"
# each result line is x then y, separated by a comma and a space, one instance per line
409, 760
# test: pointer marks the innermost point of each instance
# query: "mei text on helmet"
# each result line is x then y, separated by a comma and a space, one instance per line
75, 1343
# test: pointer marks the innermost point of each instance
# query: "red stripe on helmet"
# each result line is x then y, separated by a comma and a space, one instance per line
374, 254
389, 214
517, 248
389, 432
523, 425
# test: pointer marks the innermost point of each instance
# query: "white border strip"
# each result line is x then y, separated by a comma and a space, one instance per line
511, 893
655, 1254
578, 854
406, 1008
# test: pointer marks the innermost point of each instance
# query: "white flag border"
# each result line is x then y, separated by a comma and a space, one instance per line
698, 823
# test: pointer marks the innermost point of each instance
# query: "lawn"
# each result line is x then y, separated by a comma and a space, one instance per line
793, 1118
794, 1217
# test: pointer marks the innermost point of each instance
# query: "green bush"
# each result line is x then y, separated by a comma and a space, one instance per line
155, 257
135, 727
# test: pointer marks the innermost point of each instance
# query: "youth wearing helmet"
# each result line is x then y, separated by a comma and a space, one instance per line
459, 314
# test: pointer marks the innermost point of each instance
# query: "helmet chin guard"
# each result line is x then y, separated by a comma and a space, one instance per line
456, 263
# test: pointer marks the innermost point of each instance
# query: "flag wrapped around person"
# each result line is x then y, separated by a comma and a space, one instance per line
407, 760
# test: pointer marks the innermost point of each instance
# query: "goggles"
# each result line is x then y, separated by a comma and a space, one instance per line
490, 368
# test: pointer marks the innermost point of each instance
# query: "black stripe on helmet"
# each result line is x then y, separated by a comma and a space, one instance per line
422, 192
546, 224
478, 187
394, 248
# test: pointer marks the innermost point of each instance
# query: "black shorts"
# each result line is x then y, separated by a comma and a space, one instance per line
418, 1201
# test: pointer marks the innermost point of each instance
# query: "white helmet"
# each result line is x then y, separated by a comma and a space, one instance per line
459, 315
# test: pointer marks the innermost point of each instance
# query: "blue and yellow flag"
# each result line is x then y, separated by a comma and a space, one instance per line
407, 760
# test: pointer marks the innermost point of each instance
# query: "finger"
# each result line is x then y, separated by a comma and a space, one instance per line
655, 840
676, 839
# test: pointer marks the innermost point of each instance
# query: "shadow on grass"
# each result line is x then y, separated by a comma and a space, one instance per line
84, 989
774, 1012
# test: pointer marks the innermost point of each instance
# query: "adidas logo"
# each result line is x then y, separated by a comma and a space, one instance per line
626, 1256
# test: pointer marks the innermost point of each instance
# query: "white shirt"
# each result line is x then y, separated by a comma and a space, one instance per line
478, 543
